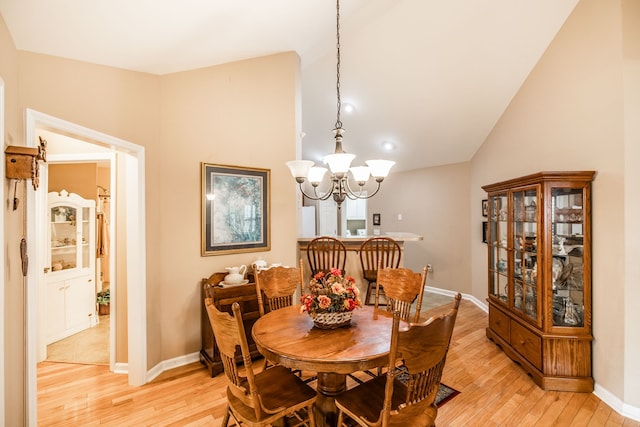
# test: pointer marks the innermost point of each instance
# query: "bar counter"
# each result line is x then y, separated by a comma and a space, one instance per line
352, 243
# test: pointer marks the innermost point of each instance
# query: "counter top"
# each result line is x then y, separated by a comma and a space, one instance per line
399, 236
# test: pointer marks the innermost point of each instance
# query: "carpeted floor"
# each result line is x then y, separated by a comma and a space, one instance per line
445, 394
90, 346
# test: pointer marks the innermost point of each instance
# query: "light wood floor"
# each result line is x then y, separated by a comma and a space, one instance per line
494, 392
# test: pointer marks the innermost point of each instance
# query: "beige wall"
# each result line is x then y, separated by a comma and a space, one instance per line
631, 56
241, 114
13, 287
245, 113
568, 115
434, 203
79, 178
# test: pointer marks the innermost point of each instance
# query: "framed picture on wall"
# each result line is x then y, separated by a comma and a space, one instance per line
485, 226
376, 219
485, 208
235, 209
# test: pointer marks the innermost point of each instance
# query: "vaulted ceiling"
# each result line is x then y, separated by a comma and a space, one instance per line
431, 77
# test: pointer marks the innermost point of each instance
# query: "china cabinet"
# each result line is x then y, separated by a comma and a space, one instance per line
71, 293
539, 242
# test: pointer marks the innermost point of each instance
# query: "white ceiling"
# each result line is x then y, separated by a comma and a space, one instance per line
433, 77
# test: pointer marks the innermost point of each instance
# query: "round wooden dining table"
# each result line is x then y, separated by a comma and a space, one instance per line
289, 338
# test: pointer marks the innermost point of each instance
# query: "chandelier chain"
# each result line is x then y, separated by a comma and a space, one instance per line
339, 103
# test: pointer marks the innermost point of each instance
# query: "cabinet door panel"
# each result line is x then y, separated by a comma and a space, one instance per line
524, 234
55, 311
568, 251
80, 303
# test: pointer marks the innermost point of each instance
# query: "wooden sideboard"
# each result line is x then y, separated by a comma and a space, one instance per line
223, 298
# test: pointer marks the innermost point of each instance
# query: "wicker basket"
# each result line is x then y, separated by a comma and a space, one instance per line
332, 320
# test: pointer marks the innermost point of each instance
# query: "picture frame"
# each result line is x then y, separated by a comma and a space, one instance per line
236, 209
485, 230
485, 208
376, 219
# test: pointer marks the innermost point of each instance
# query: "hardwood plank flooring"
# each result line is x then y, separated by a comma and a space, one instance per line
494, 392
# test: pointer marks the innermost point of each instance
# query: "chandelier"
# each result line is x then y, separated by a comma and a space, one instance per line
339, 162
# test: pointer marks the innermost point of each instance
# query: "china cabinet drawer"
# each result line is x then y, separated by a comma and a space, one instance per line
527, 344
499, 323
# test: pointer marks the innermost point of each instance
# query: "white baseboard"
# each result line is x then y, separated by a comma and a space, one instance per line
121, 368
616, 404
172, 363
481, 305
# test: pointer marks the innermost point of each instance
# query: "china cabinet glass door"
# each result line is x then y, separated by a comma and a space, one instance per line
497, 241
525, 245
64, 235
567, 267
85, 227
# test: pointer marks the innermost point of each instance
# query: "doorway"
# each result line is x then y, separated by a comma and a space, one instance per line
75, 325
130, 158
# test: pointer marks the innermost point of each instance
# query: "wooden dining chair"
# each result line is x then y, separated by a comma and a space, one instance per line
375, 252
404, 397
276, 287
257, 399
402, 287
325, 253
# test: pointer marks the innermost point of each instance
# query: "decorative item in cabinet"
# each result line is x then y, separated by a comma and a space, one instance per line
540, 276
223, 298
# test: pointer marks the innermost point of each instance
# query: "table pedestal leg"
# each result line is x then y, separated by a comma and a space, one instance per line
329, 386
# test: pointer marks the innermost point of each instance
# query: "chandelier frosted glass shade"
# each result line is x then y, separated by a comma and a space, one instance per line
339, 162
360, 173
299, 168
316, 173
380, 168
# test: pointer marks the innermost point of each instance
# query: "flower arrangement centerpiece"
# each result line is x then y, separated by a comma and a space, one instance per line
331, 300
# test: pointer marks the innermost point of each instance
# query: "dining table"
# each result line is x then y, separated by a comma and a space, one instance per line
289, 338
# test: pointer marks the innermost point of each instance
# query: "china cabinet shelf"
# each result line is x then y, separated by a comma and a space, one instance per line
539, 268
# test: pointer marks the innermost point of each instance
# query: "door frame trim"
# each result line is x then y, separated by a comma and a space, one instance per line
134, 208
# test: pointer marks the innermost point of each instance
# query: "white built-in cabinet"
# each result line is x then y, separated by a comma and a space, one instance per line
356, 209
327, 218
71, 288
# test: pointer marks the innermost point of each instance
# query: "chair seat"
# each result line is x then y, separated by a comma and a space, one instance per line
280, 389
366, 400
370, 275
